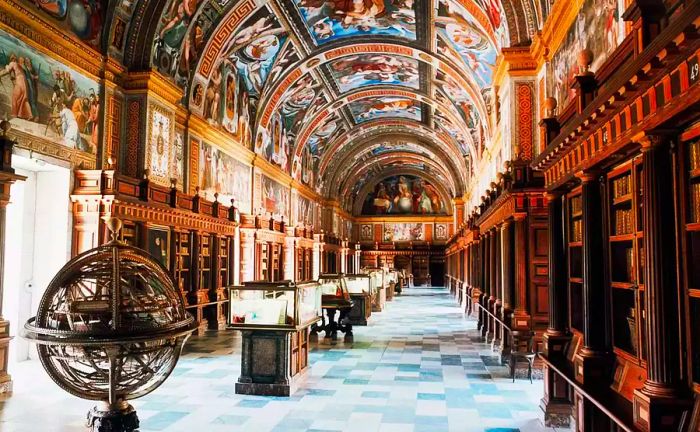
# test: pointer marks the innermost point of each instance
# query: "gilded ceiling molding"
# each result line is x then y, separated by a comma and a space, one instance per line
375, 92
287, 80
395, 133
345, 155
337, 175
388, 125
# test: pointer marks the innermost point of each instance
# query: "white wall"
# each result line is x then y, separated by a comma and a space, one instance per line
37, 243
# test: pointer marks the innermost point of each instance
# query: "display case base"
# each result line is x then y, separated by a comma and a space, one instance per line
272, 361
261, 389
361, 309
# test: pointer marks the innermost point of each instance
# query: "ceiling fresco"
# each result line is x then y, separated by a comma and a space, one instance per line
354, 72
329, 21
303, 83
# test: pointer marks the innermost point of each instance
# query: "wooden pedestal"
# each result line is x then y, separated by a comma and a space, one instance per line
272, 361
390, 292
361, 309
379, 300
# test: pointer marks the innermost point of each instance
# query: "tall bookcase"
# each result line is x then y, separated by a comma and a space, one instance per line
690, 165
182, 245
575, 254
626, 259
223, 262
205, 257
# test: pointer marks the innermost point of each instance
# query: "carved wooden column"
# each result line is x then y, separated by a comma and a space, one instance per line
493, 292
555, 404
7, 178
521, 317
247, 240
592, 365
485, 281
496, 308
663, 401
290, 253
507, 286
317, 256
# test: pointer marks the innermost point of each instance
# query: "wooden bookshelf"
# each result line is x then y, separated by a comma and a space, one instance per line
690, 165
626, 262
223, 260
182, 253
205, 257
575, 258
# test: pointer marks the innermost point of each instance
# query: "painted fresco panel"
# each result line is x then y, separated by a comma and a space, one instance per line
465, 42
403, 232
305, 211
351, 73
272, 197
403, 195
385, 107
46, 99
220, 173
276, 142
331, 21
305, 166
160, 153
598, 27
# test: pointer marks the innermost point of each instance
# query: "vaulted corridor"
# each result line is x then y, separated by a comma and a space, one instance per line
418, 366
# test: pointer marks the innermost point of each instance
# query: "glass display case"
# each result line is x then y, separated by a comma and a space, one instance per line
275, 319
377, 279
360, 289
334, 289
359, 284
276, 305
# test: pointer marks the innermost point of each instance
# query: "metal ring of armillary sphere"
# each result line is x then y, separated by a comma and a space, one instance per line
110, 327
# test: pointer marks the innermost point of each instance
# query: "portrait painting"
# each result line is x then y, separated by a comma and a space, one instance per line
396, 232
159, 244
331, 21
220, 173
441, 231
599, 28
385, 107
46, 99
407, 195
363, 70
366, 232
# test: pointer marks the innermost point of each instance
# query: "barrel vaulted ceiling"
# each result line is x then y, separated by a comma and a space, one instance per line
340, 94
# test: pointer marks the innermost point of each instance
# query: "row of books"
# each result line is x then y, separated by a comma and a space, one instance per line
576, 205
695, 203
694, 155
624, 222
577, 230
621, 186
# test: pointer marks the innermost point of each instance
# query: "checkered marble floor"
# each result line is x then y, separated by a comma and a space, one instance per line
419, 366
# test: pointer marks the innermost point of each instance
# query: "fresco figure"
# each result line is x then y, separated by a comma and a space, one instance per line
69, 126
21, 108
403, 194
